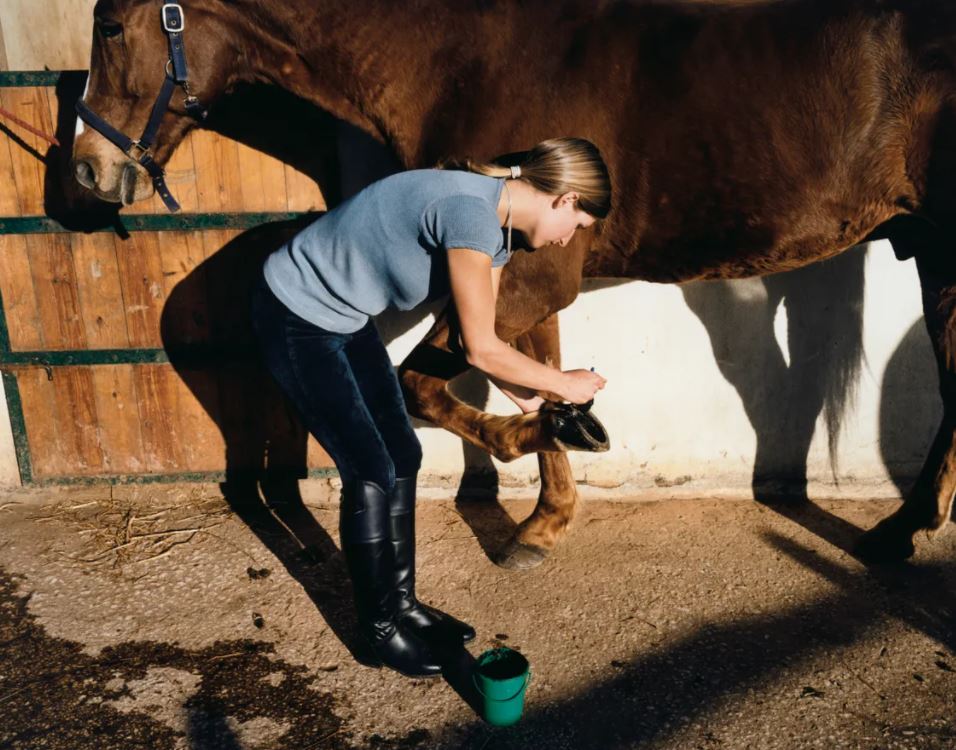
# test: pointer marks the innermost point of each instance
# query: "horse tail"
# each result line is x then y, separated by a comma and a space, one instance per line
846, 343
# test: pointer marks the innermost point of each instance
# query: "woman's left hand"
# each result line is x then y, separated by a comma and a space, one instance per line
528, 405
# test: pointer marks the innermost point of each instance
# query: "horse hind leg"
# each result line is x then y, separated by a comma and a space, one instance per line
929, 504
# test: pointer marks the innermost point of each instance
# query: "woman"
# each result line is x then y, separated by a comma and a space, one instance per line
403, 240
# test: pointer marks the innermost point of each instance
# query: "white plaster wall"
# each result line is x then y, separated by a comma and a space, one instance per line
9, 471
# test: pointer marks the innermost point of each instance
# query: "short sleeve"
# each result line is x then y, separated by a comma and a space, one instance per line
466, 221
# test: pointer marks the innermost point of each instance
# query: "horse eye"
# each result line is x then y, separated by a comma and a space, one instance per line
109, 28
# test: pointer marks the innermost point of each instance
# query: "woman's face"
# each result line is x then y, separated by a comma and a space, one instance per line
558, 219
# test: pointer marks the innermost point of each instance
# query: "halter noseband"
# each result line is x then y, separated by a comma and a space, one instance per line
139, 150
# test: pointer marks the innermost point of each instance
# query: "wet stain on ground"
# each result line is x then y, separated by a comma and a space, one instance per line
53, 696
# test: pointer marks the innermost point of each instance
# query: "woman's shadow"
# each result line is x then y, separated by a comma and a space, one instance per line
208, 338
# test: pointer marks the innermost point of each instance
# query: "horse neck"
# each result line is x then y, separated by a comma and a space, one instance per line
365, 62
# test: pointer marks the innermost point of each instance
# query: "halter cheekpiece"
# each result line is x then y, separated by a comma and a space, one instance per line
177, 74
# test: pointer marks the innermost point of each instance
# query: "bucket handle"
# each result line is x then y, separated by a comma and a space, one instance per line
527, 679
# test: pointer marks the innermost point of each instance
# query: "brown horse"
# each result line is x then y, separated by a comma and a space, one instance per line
743, 138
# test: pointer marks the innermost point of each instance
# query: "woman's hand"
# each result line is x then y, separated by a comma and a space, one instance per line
579, 386
528, 405
525, 398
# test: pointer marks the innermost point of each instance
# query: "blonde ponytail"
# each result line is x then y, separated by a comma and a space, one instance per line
556, 166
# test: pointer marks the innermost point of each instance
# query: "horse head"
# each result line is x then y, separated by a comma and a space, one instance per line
144, 93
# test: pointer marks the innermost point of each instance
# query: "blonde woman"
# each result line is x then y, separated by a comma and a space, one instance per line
406, 239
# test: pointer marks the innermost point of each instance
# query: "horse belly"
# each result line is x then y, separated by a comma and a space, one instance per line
742, 247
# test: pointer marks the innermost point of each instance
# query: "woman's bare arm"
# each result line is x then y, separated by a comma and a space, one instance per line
473, 292
526, 399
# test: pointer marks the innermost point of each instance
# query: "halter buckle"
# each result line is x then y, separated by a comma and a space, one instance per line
173, 19
135, 147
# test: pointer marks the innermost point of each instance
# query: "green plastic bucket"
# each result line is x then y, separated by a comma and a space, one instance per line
501, 676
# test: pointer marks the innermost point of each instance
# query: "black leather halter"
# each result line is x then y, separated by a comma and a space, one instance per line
176, 75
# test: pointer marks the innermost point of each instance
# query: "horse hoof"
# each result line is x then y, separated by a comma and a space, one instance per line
518, 556
884, 544
575, 428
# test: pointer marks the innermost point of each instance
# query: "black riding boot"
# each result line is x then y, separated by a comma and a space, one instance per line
363, 525
426, 622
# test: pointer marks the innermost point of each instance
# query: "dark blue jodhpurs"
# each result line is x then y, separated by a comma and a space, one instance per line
345, 390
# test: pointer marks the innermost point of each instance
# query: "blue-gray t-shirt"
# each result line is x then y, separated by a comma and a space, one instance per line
386, 246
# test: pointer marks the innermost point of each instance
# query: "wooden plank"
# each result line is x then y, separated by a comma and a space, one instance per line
61, 421
241, 418
201, 441
9, 196
185, 317
51, 261
302, 192
19, 295
263, 181
230, 174
217, 173
208, 197
118, 425
76, 420
223, 275
156, 399
27, 151
47, 456
141, 281
98, 290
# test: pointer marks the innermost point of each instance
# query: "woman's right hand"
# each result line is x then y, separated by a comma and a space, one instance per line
579, 386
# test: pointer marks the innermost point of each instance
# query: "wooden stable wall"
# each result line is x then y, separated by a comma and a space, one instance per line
86, 367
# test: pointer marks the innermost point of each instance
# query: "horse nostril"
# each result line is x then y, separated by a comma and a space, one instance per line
84, 174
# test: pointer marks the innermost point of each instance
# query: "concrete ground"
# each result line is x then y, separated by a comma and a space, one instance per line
166, 617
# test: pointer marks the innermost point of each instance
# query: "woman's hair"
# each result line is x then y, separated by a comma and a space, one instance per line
556, 166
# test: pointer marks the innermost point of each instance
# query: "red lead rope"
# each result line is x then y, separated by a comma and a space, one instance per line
25, 126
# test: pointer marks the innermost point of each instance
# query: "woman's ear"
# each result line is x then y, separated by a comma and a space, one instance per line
568, 199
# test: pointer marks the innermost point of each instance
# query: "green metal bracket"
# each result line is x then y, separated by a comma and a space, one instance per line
156, 222
29, 78
192, 356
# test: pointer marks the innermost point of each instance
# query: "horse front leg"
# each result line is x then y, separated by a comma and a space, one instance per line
425, 375
929, 504
538, 535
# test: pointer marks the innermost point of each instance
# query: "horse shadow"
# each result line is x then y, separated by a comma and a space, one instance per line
784, 395
909, 412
